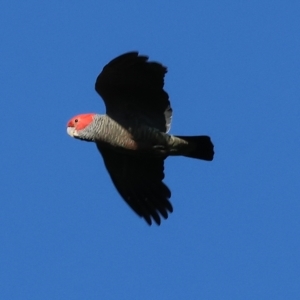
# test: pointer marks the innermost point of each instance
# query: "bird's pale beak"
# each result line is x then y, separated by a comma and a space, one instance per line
72, 131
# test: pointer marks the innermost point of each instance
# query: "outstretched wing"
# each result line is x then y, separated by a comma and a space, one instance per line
130, 83
139, 182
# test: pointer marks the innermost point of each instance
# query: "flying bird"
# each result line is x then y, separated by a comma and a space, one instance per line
132, 136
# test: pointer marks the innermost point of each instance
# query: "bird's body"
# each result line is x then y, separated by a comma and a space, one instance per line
132, 136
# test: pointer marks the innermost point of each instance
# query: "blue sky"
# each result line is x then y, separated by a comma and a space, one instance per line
233, 73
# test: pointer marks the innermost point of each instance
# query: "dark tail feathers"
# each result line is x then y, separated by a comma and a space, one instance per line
201, 147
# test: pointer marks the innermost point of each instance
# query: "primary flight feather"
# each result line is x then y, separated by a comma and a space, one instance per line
132, 136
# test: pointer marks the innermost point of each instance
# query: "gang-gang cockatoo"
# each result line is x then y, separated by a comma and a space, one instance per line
132, 136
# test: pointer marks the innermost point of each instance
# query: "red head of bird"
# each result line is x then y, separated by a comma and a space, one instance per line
78, 123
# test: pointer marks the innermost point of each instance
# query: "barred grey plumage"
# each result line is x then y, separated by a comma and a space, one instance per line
132, 137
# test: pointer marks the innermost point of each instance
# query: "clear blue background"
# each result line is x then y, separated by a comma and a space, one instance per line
234, 72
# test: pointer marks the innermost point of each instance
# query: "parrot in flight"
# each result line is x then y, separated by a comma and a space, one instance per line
132, 136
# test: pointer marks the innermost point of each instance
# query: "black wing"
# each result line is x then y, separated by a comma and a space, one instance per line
129, 83
139, 182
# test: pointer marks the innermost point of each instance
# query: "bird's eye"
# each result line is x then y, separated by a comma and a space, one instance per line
76, 120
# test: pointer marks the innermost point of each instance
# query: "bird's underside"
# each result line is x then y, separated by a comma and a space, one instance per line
132, 87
